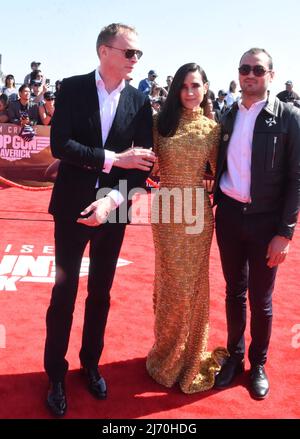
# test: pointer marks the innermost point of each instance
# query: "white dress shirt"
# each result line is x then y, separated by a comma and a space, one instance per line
236, 180
108, 104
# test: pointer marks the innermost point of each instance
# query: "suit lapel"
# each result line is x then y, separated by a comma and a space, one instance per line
122, 110
93, 109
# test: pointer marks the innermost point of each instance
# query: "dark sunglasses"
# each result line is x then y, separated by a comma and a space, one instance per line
257, 70
49, 99
129, 53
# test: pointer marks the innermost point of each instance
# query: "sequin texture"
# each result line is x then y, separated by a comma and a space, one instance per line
181, 286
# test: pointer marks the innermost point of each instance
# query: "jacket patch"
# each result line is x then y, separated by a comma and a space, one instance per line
271, 121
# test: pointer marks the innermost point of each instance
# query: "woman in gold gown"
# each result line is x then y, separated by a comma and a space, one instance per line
185, 140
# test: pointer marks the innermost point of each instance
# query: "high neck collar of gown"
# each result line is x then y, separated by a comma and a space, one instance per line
192, 114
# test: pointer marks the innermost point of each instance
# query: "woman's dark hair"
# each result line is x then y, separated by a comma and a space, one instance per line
169, 117
10, 77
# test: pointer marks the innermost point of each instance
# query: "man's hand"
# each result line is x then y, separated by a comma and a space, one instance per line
100, 211
135, 158
277, 250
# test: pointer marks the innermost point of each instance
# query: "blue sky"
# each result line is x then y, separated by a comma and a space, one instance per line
62, 35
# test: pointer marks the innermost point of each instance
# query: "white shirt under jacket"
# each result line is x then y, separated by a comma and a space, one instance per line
108, 104
236, 180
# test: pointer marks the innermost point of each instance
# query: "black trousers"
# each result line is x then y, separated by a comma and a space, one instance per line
71, 239
243, 240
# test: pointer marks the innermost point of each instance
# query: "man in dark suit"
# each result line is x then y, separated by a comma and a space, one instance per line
97, 120
258, 199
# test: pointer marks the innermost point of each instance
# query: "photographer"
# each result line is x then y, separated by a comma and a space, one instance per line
23, 112
37, 91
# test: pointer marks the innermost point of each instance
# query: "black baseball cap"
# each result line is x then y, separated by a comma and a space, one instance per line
49, 95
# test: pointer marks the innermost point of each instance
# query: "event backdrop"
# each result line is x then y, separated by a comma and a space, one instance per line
27, 163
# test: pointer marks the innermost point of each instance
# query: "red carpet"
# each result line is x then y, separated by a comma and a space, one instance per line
25, 287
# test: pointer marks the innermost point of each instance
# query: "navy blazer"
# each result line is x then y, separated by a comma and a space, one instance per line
77, 141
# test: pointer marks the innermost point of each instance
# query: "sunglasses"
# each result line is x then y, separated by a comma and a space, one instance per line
129, 53
49, 99
257, 70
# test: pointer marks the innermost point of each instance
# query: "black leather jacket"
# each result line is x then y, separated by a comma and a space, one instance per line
275, 162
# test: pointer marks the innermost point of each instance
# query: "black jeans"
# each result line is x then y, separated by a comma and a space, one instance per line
71, 239
243, 241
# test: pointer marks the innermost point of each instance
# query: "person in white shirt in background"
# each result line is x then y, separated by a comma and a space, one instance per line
233, 94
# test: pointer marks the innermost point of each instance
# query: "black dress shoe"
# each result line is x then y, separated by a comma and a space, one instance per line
56, 399
230, 369
259, 383
96, 383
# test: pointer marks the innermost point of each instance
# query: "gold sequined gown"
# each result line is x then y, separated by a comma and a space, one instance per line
181, 286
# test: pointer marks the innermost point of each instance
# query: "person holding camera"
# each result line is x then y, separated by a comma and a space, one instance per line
23, 111
37, 91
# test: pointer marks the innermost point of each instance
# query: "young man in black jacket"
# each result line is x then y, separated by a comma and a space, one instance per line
257, 194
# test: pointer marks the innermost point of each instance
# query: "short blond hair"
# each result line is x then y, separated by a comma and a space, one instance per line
109, 33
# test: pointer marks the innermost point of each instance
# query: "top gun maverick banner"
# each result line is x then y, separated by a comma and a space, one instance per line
27, 163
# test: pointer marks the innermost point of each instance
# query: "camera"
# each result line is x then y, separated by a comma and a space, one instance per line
24, 115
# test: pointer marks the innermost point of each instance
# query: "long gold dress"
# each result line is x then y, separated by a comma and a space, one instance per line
181, 286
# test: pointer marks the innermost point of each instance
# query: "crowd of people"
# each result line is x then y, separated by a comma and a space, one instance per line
215, 106
250, 140
31, 103
36, 100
